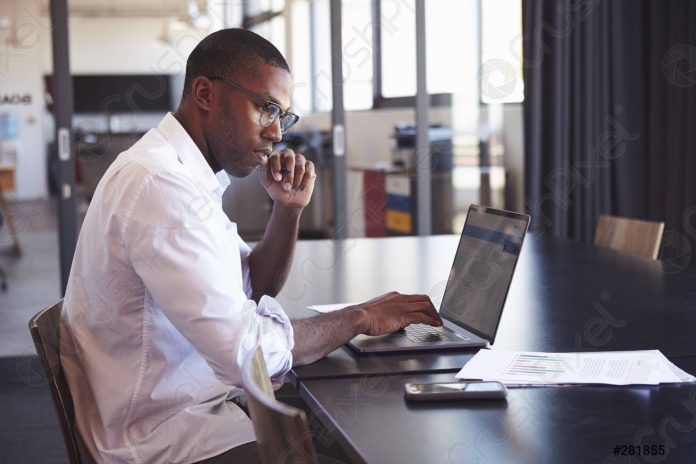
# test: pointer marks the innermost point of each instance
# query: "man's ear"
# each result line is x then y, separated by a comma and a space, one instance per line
202, 92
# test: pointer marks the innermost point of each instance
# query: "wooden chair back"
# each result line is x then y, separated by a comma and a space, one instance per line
45, 331
640, 238
282, 432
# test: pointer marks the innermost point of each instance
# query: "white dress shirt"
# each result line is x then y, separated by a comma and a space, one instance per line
158, 314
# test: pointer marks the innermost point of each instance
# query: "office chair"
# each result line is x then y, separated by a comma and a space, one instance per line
44, 328
282, 432
639, 238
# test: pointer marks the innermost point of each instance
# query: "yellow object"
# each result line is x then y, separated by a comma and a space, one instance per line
399, 221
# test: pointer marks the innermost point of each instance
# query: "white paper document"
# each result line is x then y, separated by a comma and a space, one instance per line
648, 367
327, 308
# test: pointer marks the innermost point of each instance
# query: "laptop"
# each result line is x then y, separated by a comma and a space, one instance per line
477, 287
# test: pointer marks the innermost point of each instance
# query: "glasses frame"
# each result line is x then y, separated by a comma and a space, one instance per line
263, 104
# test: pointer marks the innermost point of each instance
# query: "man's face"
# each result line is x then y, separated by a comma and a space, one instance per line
236, 141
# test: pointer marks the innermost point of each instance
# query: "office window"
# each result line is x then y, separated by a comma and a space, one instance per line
451, 45
265, 17
356, 35
447, 51
398, 53
501, 51
311, 55
301, 65
321, 54
273, 30
258, 7
311, 36
451, 48
472, 46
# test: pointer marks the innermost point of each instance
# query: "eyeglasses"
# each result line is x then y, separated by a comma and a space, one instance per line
270, 111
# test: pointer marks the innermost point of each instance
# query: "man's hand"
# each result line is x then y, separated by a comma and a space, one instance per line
319, 335
394, 311
289, 177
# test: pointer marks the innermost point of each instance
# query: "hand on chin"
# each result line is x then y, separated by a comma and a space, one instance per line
289, 178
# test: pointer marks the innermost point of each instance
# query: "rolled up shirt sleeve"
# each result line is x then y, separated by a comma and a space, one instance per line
190, 257
270, 328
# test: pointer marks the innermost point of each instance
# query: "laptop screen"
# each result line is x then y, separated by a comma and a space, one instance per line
482, 271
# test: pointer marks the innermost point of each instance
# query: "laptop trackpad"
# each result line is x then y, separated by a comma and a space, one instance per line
397, 341
371, 342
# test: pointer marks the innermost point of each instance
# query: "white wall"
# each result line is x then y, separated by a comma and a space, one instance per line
20, 63
125, 46
97, 46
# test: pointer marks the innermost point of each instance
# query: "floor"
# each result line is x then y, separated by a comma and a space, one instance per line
29, 429
33, 278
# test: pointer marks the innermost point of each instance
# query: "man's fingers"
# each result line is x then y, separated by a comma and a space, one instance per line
289, 164
393, 311
274, 166
292, 169
308, 177
422, 313
399, 298
416, 298
381, 297
300, 169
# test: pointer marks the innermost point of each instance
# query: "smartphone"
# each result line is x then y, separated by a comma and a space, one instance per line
455, 391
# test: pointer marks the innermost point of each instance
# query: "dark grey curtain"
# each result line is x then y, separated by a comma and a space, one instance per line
610, 115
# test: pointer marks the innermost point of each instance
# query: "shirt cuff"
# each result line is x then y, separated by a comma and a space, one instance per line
270, 328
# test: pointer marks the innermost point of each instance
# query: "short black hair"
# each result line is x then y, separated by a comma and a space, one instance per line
230, 53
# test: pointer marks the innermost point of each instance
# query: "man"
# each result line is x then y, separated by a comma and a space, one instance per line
164, 299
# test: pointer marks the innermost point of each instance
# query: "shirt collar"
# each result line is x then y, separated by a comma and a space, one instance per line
190, 156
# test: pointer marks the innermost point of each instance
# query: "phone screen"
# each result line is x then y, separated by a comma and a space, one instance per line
483, 386
457, 386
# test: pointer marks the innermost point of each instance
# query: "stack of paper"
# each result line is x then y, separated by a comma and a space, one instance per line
327, 308
649, 367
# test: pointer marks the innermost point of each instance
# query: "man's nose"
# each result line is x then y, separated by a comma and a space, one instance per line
273, 132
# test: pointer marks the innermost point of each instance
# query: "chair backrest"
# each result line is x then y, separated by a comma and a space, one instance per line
45, 330
282, 432
640, 238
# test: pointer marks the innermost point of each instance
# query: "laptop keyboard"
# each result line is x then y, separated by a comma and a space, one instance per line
418, 333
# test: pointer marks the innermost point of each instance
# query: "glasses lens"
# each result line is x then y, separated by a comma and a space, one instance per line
288, 120
269, 113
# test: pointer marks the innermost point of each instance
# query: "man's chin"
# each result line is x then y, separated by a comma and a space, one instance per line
240, 174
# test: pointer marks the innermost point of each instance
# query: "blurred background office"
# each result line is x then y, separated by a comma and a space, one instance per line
126, 62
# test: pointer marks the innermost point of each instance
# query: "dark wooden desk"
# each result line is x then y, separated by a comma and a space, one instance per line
370, 419
565, 296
